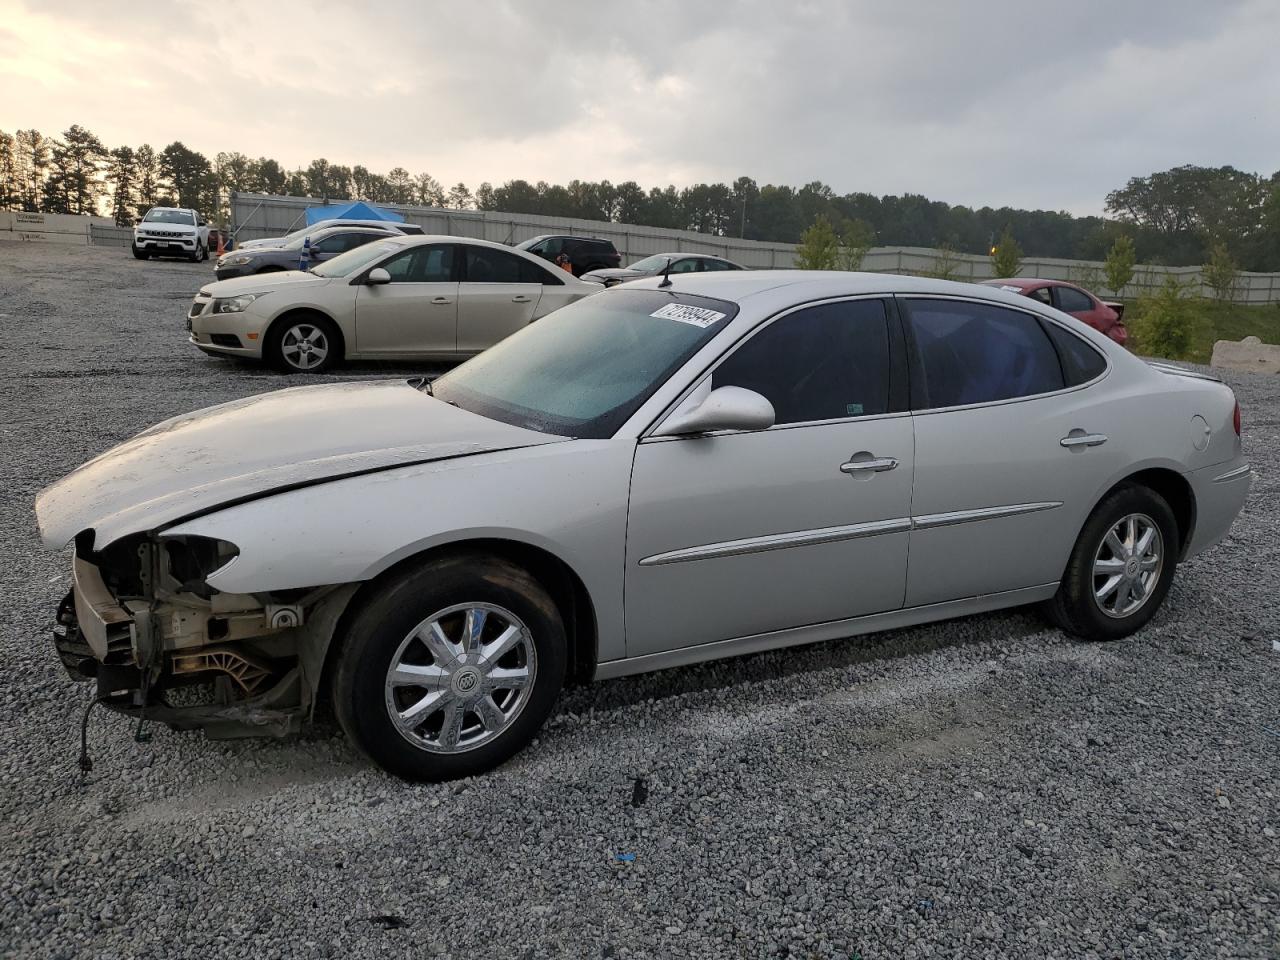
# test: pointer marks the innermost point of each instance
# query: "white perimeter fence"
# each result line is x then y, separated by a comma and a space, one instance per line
260, 215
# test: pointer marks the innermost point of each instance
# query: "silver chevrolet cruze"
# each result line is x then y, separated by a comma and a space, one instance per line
671, 471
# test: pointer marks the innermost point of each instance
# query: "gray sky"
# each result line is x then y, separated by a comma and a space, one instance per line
1025, 103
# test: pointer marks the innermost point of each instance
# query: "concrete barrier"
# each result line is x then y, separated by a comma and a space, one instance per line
47, 227
1249, 354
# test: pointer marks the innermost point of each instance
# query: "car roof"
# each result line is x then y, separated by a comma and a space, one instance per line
799, 285
564, 236
357, 228
417, 240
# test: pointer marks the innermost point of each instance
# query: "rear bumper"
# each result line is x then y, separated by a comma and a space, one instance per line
1220, 492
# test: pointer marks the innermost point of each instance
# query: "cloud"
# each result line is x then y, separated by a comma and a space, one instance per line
1018, 103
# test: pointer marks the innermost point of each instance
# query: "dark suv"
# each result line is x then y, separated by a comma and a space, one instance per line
585, 253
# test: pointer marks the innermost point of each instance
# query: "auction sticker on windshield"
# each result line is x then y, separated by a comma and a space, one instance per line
683, 313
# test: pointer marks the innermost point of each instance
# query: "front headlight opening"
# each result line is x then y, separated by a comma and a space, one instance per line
240, 261
194, 559
234, 304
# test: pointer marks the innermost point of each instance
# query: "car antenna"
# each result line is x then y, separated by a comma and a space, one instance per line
666, 275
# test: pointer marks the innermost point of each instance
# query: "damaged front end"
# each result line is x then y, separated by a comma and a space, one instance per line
143, 623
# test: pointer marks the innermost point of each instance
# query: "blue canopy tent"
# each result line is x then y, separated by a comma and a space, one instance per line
359, 210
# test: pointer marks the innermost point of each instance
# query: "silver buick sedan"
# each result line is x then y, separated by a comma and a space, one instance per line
671, 471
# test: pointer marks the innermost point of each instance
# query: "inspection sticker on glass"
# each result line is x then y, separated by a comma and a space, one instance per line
683, 313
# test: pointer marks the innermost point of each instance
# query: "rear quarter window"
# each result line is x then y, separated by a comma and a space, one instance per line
1080, 361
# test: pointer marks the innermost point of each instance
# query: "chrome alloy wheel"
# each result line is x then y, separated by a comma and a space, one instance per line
304, 346
461, 677
1127, 566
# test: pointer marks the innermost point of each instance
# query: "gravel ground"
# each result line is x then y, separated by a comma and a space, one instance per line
979, 788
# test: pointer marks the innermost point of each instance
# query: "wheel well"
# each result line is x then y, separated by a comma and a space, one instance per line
559, 580
305, 312
1177, 493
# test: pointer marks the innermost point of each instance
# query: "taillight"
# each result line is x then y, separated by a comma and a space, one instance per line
1235, 418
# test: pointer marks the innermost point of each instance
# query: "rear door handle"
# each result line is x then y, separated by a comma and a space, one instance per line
441, 300
876, 465
1082, 439
520, 298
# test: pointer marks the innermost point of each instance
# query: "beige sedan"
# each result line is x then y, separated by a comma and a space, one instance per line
412, 298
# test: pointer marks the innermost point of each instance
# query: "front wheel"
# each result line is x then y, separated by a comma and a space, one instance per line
141, 254
1121, 567
303, 344
450, 669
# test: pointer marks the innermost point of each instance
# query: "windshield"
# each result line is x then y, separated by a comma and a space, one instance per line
582, 370
170, 216
656, 262
353, 261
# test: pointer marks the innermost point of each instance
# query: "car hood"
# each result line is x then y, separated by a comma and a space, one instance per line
260, 283
249, 448
265, 242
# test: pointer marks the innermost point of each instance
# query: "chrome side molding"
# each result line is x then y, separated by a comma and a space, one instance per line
853, 531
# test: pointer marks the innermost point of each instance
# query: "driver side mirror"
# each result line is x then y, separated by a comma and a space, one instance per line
203, 223
725, 408
377, 276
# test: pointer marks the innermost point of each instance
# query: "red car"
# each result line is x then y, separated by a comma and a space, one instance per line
1105, 317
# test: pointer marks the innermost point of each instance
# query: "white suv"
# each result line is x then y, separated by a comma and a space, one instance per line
171, 232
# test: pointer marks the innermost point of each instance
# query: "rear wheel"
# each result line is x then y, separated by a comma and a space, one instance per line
450, 669
304, 343
1120, 568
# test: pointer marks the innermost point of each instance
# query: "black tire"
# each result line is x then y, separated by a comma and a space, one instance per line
194, 256
277, 353
1075, 608
141, 254
204, 253
383, 624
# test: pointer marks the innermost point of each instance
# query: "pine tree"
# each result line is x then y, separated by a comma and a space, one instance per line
147, 176
122, 175
9, 192
32, 165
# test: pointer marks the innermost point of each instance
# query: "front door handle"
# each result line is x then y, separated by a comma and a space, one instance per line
520, 298
1078, 438
874, 465
441, 300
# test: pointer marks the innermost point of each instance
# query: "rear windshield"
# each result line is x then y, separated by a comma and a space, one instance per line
584, 369
656, 262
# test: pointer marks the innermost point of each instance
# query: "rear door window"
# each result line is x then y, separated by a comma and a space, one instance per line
496, 266
826, 362
978, 353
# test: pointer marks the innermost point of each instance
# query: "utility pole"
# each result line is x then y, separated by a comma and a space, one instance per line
742, 227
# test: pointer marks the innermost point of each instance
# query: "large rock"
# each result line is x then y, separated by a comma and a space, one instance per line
1249, 354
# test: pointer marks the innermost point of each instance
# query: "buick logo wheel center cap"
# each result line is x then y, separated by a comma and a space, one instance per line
466, 681
1131, 567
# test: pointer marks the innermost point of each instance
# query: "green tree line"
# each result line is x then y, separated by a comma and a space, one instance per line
1175, 217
